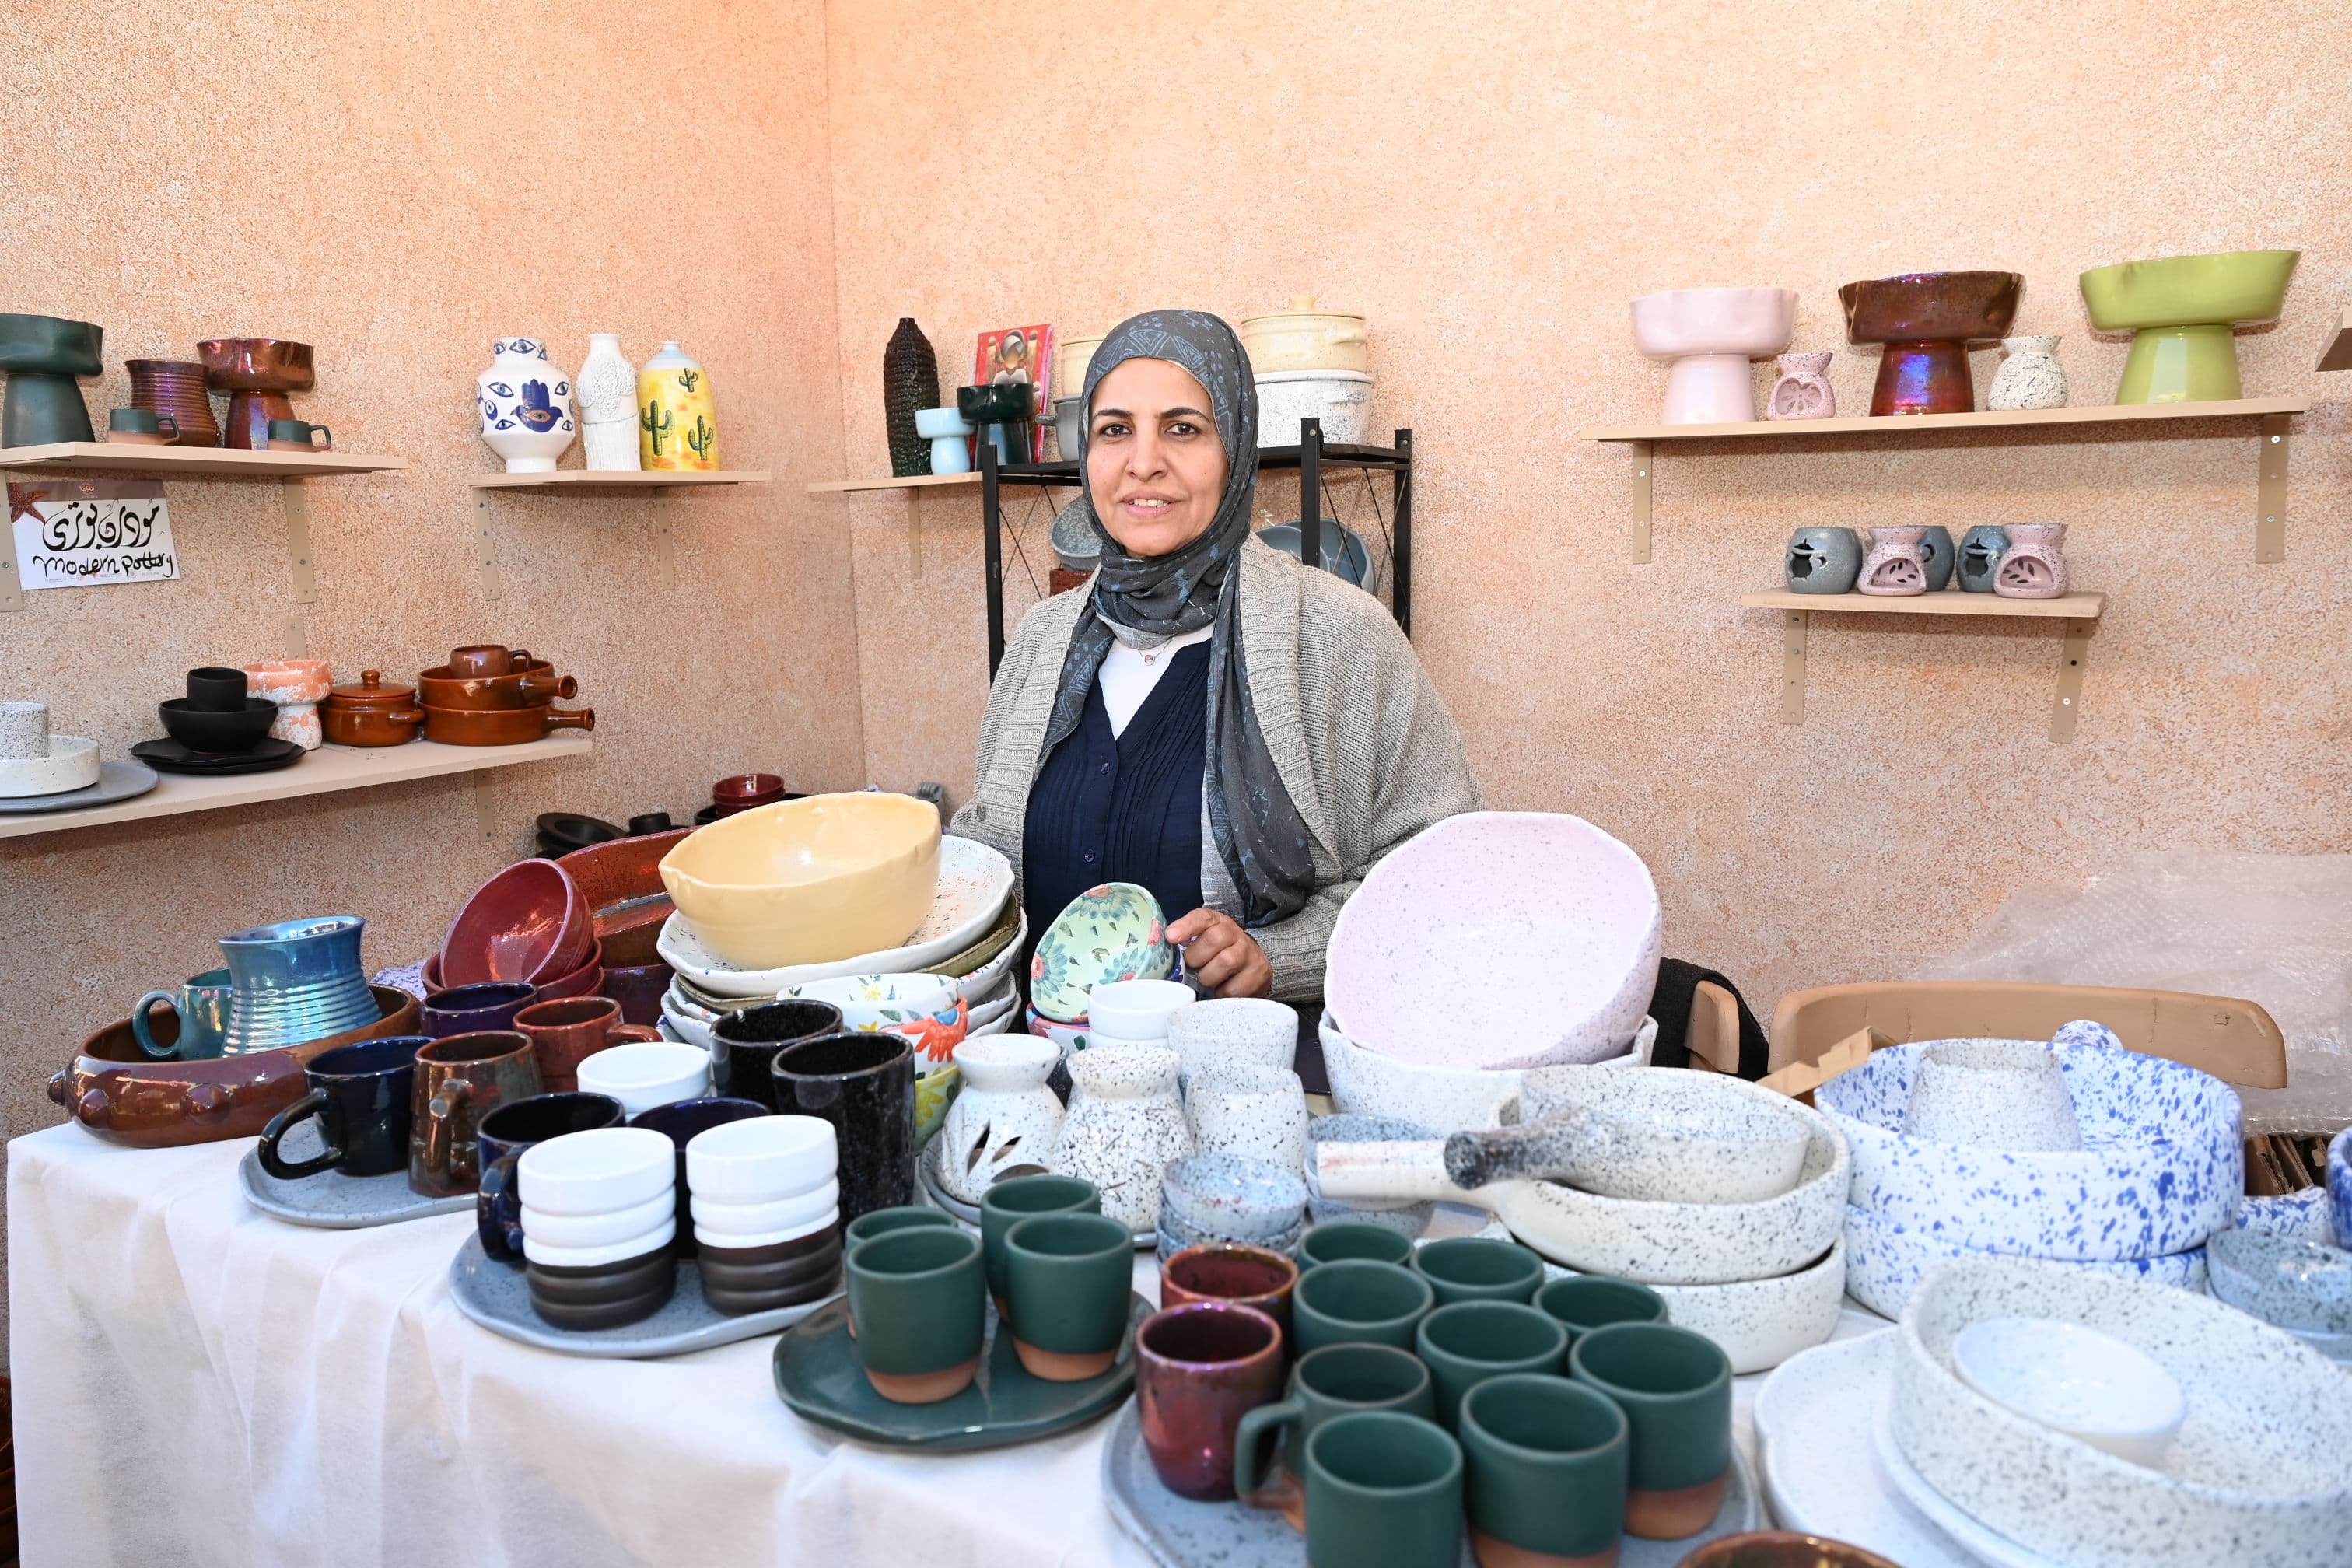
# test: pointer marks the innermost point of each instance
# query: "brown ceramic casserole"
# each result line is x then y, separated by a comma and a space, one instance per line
620, 879
536, 683
121, 1094
500, 726
371, 713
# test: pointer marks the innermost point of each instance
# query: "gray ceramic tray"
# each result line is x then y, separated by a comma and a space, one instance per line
496, 1296
116, 780
819, 1379
968, 1214
332, 1201
1178, 1533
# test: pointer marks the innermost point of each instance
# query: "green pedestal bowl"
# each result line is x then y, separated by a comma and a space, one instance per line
42, 354
2180, 311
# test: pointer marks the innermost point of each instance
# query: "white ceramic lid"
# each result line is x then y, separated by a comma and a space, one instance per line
549, 1255
762, 1158
600, 1171
598, 1229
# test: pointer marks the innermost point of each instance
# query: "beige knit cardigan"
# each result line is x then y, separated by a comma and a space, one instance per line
1361, 739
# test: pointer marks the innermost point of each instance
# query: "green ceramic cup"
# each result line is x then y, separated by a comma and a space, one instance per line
1357, 1301
1345, 1238
1007, 1204
881, 1222
1067, 1278
1583, 1302
1675, 1387
1383, 1490
916, 1296
1477, 1268
1468, 1342
1545, 1461
1338, 1380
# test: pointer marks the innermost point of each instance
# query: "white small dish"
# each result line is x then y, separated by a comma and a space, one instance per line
599, 1172
762, 1158
644, 1074
2075, 1379
1135, 1012
754, 1219
549, 1256
599, 1229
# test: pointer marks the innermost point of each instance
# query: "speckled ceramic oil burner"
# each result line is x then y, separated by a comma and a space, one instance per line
1803, 390
2033, 568
1823, 561
607, 386
1896, 565
1124, 1127
1980, 551
2030, 376
1936, 550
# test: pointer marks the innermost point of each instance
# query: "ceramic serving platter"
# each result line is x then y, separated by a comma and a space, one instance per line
116, 780
968, 1214
1178, 1533
819, 1379
1977, 1543
497, 1295
332, 1201
974, 883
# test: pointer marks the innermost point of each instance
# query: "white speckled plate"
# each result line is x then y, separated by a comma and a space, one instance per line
1979, 1542
974, 883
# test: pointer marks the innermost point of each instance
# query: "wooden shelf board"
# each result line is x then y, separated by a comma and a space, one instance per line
595, 479
2337, 354
911, 482
199, 462
1951, 602
1898, 425
323, 772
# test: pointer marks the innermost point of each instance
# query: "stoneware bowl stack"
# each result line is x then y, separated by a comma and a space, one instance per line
2303, 1287
1206, 1198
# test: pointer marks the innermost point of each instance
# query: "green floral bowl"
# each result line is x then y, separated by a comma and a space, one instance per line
1115, 932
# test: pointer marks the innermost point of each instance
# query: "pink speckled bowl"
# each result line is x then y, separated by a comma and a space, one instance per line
1498, 940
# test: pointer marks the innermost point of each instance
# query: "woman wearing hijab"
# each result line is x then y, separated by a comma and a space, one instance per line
1242, 735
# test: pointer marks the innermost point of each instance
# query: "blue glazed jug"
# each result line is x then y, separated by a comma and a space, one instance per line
296, 981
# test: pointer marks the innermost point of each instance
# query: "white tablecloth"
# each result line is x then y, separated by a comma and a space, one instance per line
198, 1383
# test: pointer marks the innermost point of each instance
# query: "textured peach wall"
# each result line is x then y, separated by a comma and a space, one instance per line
1490, 186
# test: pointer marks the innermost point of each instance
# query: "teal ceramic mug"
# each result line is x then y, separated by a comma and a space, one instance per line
285, 434
1345, 1239
1468, 1342
881, 1222
1338, 1380
1007, 1204
918, 1294
1675, 1387
1583, 1302
202, 1003
1068, 1278
1545, 1461
1358, 1302
1478, 1268
1383, 1490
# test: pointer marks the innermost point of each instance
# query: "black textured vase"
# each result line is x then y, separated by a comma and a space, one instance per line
910, 380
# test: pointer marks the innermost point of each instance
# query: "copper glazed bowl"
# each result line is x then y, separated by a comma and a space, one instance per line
443, 688
1920, 307
256, 365
620, 879
500, 726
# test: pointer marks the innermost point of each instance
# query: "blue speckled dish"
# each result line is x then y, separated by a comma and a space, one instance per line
1884, 1262
1233, 1195
2339, 1185
2301, 1286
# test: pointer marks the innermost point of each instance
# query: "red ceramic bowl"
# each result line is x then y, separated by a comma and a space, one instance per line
528, 923
746, 788
620, 879
582, 982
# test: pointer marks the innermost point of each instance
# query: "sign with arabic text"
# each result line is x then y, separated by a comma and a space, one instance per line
81, 534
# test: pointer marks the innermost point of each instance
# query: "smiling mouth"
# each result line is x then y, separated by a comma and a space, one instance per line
1150, 505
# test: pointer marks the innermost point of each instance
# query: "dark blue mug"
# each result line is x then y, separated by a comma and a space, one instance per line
682, 1119
502, 1137
465, 1009
360, 1094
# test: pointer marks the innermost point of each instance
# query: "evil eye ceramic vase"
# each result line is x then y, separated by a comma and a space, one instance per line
1823, 561
2033, 568
1896, 565
1980, 554
526, 406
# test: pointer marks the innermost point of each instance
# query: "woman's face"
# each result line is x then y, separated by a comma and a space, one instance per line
1154, 465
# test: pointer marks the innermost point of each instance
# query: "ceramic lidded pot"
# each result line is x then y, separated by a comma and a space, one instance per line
526, 406
1895, 567
676, 422
371, 713
43, 355
608, 405
2033, 568
1981, 549
1822, 561
2030, 376
1803, 390
1125, 1125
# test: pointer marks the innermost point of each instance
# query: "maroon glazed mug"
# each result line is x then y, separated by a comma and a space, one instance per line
1199, 1367
1231, 1271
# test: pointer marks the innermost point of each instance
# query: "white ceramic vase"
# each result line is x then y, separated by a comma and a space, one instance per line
1005, 1115
608, 405
1125, 1125
526, 406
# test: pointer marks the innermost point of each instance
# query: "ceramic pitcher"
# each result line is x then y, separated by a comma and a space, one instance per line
296, 981
1005, 1115
1125, 1125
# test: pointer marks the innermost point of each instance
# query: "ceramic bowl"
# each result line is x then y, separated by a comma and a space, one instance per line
2162, 1166
1498, 940
199, 729
2075, 1379
987, 964
256, 364
1231, 1197
2303, 1215
1069, 1036
2229, 287
1174, 1235
580, 1230
620, 879
1678, 324
1991, 1094
1304, 338
1781, 1549
809, 882
606, 1171
1114, 932
2257, 1475
1450, 1100
2339, 1185
526, 922
926, 1008
1135, 1012
1076, 545
804, 1211
1760, 1323
1223, 1029
935, 1093
1930, 306
1406, 1216
1884, 1262
2297, 1285
762, 1158
1672, 1137
538, 683
585, 981
548, 1255
998, 1004
287, 681
645, 1073
1338, 549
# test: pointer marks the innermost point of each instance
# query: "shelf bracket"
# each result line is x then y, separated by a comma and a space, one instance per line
2270, 505
12, 591
665, 549
2066, 707
1793, 668
485, 547
486, 805
1637, 527
298, 540
915, 534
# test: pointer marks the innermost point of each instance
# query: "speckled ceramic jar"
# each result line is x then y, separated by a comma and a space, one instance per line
2034, 567
1124, 1126
2030, 376
1895, 567
1822, 561
1803, 390
1259, 1111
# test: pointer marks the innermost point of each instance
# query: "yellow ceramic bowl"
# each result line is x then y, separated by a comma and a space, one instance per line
808, 881
2188, 290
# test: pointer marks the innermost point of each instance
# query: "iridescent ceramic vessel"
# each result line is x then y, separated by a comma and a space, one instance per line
1927, 319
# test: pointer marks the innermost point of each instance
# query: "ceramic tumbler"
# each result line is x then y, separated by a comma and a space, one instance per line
362, 1095
1066, 1276
1353, 1239
1007, 1204
1583, 1302
917, 1297
202, 1003
1383, 1490
1474, 1268
744, 1044
1231, 1271
459, 1080
499, 1142
683, 1120
296, 981
1338, 1380
1544, 1461
1675, 1387
1199, 1367
864, 1085
1237, 1108
469, 1009
1822, 561
882, 1222
1358, 1302
1465, 1344
564, 1033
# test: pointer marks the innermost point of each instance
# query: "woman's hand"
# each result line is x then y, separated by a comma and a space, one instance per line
1221, 956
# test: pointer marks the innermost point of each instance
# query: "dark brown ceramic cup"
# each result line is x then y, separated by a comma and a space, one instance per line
1200, 1366
562, 1034
459, 1080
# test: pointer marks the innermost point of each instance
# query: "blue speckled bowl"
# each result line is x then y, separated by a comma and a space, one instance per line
2339, 1185
1231, 1197
1885, 1261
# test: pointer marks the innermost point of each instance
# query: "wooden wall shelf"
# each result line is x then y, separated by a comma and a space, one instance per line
326, 771
192, 462
589, 481
2337, 354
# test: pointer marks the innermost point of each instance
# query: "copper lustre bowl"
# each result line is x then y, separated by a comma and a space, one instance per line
256, 364
1927, 319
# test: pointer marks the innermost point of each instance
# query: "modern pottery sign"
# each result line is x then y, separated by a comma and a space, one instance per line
77, 534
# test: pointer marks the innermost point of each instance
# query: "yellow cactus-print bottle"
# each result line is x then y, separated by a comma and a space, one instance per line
676, 427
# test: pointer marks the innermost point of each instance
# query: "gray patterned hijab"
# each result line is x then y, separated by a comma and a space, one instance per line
1260, 836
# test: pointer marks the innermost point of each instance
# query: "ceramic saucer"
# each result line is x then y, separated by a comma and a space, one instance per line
116, 780
175, 758
819, 1379
497, 1295
332, 1201
968, 1214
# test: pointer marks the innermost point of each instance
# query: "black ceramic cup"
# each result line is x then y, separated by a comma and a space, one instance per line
864, 1085
465, 1009
681, 1119
500, 1140
216, 688
748, 1040
360, 1095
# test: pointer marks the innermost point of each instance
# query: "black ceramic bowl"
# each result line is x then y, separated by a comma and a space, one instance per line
573, 831
650, 822
199, 729
216, 688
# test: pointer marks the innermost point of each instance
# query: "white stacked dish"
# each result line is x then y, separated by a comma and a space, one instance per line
593, 1199
1450, 1100
762, 1181
646, 1073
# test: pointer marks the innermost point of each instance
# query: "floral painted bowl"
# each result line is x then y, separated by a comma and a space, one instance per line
1069, 1036
934, 1092
928, 1009
1115, 932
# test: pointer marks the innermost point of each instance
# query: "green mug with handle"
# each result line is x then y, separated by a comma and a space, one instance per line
1338, 1380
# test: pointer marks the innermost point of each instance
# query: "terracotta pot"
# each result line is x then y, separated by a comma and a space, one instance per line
620, 879
372, 713
256, 374
442, 687
500, 727
121, 1094
1302, 337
